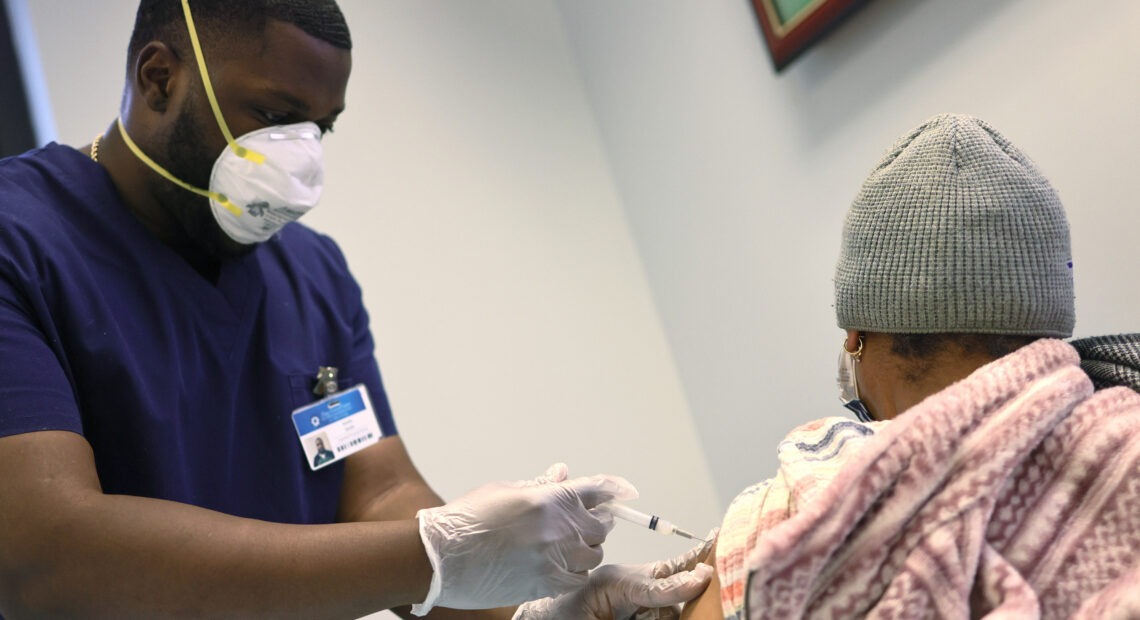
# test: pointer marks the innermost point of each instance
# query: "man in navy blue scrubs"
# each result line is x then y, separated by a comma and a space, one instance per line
163, 324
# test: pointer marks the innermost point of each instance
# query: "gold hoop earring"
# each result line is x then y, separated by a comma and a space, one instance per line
857, 353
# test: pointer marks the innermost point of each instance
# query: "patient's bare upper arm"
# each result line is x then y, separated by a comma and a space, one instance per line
707, 605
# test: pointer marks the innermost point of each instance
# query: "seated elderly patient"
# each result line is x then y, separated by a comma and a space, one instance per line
985, 476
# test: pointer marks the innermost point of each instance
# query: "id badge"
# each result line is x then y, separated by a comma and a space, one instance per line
336, 426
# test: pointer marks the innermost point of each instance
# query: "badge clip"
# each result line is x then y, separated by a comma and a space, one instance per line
326, 381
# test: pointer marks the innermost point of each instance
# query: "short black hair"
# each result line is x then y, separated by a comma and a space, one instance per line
918, 351
926, 346
163, 20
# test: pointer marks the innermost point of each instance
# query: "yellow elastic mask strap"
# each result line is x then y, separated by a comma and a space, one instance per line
239, 150
219, 198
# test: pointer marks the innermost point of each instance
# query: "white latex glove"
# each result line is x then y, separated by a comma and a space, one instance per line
509, 542
618, 592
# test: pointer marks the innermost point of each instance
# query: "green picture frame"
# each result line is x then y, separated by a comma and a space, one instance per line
791, 26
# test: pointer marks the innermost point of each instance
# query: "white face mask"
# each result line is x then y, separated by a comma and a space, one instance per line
262, 180
268, 195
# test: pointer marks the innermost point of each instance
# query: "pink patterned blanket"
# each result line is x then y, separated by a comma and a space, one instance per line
1014, 493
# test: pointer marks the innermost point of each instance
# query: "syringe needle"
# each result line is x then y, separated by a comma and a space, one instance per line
683, 534
652, 522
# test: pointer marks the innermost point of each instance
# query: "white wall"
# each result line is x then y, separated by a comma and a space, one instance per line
470, 189
735, 179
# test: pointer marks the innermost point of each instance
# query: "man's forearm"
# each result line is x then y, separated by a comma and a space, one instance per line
440, 613
119, 556
401, 499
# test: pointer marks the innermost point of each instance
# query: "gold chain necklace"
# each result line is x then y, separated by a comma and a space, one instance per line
95, 148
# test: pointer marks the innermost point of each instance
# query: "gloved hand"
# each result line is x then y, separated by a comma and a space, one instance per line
509, 542
617, 592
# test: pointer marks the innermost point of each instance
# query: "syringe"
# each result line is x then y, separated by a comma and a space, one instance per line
652, 522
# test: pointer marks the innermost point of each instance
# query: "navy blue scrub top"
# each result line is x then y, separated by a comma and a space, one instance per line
183, 388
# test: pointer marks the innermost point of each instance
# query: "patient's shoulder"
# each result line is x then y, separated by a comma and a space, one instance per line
811, 457
825, 439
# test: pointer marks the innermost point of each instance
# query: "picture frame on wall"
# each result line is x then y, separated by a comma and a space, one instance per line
791, 26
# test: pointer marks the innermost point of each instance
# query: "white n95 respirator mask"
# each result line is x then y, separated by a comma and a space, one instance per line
252, 201
262, 180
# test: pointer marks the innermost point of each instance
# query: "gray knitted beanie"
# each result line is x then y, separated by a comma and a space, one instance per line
956, 231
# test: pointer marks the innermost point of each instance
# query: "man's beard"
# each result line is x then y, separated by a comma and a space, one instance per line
190, 159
